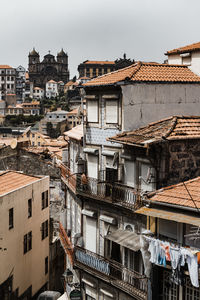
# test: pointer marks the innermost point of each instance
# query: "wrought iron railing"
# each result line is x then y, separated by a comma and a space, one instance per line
118, 274
112, 192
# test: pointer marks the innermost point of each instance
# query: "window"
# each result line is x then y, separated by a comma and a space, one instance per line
167, 229
29, 208
8, 78
8, 86
27, 242
11, 218
44, 229
112, 111
92, 111
44, 199
46, 265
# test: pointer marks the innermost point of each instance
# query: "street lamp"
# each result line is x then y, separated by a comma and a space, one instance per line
68, 276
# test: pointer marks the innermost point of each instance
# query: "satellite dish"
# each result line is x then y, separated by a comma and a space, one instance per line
13, 144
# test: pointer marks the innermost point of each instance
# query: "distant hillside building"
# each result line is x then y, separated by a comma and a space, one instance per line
7, 81
48, 69
91, 69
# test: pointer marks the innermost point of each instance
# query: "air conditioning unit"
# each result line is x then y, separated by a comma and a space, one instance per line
129, 227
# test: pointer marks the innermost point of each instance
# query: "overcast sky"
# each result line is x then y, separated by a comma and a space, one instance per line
96, 29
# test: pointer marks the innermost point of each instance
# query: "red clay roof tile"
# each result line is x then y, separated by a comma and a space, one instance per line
147, 72
184, 194
172, 128
184, 49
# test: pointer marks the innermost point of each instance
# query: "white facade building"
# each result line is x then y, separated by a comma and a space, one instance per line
7, 81
51, 89
38, 93
187, 55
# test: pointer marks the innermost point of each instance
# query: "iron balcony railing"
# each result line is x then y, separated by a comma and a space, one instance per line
119, 276
112, 192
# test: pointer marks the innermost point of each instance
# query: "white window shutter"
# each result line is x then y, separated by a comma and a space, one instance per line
92, 111
112, 111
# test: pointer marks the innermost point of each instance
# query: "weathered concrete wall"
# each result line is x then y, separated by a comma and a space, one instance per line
145, 103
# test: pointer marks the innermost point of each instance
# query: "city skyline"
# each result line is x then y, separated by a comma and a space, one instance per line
97, 30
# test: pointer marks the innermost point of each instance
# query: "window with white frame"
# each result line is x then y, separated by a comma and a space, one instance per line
92, 111
111, 111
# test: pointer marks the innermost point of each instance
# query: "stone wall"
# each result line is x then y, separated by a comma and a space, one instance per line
184, 161
27, 162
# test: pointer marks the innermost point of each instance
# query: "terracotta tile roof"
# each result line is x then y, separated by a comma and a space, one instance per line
51, 81
84, 77
75, 133
179, 194
146, 72
185, 49
69, 83
5, 67
38, 88
11, 181
73, 112
172, 128
99, 62
31, 103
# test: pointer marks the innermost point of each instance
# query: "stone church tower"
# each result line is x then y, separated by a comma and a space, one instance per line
49, 68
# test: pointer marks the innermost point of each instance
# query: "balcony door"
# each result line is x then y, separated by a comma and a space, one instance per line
91, 234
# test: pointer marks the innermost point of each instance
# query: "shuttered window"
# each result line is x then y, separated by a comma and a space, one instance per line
92, 166
112, 111
91, 234
92, 111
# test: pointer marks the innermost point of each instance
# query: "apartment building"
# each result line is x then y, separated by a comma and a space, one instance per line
94, 68
24, 216
51, 89
188, 55
102, 232
20, 83
7, 80
38, 93
173, 224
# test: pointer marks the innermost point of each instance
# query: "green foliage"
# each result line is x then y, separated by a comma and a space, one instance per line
53, 132
21, 119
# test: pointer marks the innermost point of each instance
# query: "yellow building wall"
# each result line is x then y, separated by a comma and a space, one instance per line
29, 268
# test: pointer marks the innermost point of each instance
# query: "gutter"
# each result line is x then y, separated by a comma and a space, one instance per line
172, 205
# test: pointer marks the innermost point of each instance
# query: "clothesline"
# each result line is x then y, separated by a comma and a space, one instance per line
163, 251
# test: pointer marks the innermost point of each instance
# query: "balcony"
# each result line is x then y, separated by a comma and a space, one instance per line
110, 192
113, 272
68, 178
66, 243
